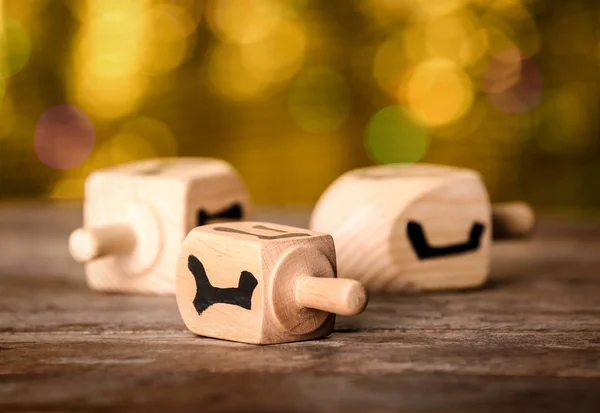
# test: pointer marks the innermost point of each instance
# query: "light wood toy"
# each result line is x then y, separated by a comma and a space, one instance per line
262, 283
415, 227
136, 216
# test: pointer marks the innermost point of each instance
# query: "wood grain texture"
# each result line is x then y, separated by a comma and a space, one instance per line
415, 227
528, 340
368, 212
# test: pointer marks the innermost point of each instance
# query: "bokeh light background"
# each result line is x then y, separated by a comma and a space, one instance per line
296, 92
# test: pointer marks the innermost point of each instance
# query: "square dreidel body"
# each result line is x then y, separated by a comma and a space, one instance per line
262, 283
409, 227
136, 216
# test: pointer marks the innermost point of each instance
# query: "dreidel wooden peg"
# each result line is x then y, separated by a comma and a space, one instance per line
88, 244
262, 283
512, 220
136, 215
416, 227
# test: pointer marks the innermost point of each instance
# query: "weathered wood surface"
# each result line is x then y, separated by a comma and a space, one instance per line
528, 341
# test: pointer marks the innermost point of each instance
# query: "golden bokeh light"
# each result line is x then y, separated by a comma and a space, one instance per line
267, 80
194, 10
277, 57
110, 55
244, 21
456, 36
389, 64
437, 92
319, 100
425, 9
228, 76
173, 31
247, 70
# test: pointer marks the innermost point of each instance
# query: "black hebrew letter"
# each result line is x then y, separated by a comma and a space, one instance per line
207, 295
233, 212
424, 250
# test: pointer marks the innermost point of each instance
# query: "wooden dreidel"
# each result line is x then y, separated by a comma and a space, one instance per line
136, 216
262, 283
415, 227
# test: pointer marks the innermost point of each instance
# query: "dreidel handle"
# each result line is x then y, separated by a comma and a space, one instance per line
512, 220
88, 244
334, 295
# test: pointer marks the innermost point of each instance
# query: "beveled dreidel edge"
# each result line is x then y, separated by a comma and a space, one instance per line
89, 244
512, 220
333, 295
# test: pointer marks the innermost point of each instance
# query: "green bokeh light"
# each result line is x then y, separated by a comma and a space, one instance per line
319, 100
15, 46
393, 137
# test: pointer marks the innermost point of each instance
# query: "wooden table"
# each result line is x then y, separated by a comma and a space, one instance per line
528, 341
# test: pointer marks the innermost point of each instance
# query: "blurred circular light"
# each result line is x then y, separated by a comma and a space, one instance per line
64, 137
172, 28
172, 22
156, 133
244, 21
457, 37
426, 9
277, 57
229, 77
389, 64
437, 92
194, 9
319, 100
393, 137
523, 94
110, 98
111, 54
15, 46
